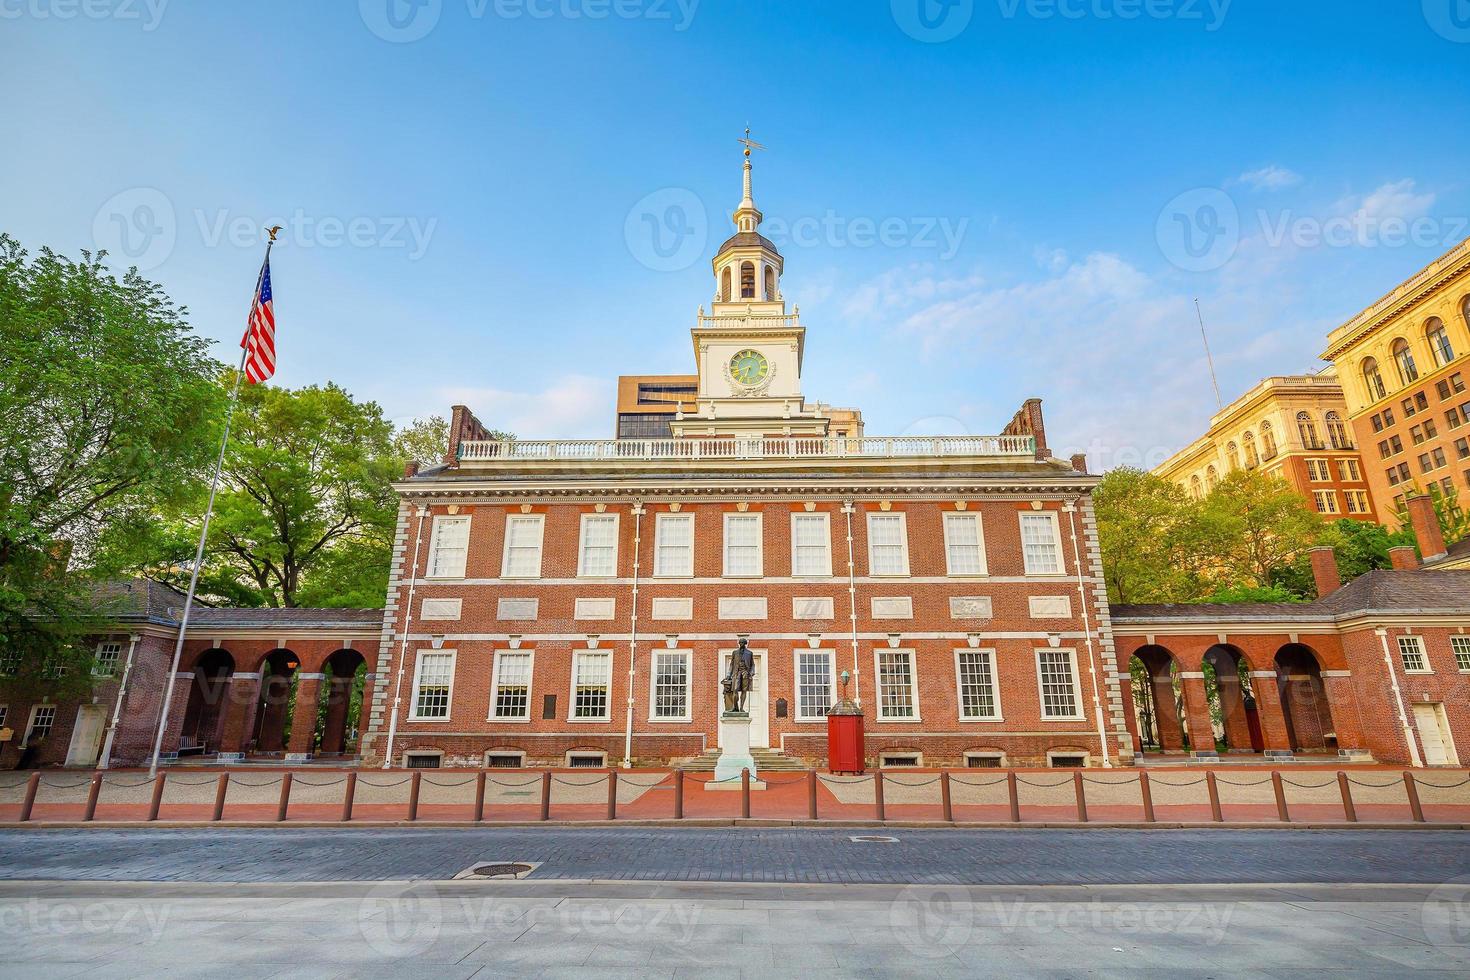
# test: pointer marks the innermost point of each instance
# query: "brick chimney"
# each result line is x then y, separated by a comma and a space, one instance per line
1403, 558
1324, 570
1426, 526
410, 469
1079, 462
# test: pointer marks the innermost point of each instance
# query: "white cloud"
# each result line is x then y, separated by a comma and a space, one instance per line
1270, 178
573, 406
1396, 200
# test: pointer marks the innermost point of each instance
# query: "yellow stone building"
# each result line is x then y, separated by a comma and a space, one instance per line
1292, 427
1404, 366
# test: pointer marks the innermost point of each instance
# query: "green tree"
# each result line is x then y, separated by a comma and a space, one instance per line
1254, 527
426, 440
1145, 525
305, 511
1454, 520
1362, 546
108, 404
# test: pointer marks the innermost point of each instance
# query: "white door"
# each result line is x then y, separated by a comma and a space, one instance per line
755, 701
1426, 719
86, 736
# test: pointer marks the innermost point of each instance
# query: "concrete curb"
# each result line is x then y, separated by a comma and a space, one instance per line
697, 823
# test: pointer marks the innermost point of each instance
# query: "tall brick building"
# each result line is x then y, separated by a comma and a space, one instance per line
576, 602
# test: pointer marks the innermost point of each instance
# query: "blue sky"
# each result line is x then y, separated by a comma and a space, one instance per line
468, 211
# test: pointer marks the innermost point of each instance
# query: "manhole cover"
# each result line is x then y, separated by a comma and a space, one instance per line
873, 839
484, 870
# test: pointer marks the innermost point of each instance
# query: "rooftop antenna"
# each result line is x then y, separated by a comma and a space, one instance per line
1209, 358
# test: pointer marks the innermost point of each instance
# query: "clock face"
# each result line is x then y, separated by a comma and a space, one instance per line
749, 367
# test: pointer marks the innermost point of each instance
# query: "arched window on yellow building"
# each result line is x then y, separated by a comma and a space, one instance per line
1212, 480
747, 280
1439, 342
1337, 432
1308, 430
1232, 456
1373, 380
1403, 358
1251, 459
1268, 441
1194, 488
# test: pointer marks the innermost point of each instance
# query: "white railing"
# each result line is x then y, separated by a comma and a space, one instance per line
787, 447
743, 321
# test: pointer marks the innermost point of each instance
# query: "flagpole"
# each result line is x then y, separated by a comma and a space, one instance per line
219, 464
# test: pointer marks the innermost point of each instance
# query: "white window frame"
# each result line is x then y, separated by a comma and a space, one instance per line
1318, 470
962, 517
688, 658
418, 673
540, 521
97, 669
1459, 646
831, 658
435, 754
959, 685
826, 520
1056, 534
1348, 471
887, 754
913, 659
582, 545
1417, 643
1326, 501
658, 546
530, 656
572, 716
903, 528
1079, 714
442, 521
567, 758
760, 546
36, 710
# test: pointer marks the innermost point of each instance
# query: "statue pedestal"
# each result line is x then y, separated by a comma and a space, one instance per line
734, 753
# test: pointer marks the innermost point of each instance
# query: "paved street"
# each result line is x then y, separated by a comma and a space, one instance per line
746, 901
1005, 857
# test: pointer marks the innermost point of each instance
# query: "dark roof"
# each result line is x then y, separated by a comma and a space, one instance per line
744, 239
134, 600
1381, 590
1455, 552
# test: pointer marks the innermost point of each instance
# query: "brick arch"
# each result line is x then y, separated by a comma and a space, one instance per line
1153, 713
1305, 706
204, 712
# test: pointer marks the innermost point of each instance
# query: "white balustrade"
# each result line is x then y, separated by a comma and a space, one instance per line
785, 447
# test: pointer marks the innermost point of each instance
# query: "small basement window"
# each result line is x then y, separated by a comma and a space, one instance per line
1067, 760
505, 760
900, 760
422, 760
984, 760
586, 760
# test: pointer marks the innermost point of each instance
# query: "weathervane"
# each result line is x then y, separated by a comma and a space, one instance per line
749, 143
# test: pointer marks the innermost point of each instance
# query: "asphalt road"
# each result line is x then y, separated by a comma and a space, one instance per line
743, 854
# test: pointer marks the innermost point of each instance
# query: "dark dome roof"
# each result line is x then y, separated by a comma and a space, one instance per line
746, 239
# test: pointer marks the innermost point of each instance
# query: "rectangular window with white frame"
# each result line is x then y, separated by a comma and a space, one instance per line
433, 685
523, 533
449, 546
673, 546
104, 663
1411, 650
1056, 672
43, 719
669, 680
811, 546
897, 698
510, 685
977, 685
888, 544
743, 546
1460, 647
591, 685
1041, 544
1326, 501
1317, 471
964, 544
815, 679
599, 552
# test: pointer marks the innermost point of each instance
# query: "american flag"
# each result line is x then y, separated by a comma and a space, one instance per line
260, 334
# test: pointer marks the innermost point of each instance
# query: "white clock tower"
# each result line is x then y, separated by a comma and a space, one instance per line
749, 348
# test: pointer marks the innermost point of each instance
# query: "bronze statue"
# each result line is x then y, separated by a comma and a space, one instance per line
737, 683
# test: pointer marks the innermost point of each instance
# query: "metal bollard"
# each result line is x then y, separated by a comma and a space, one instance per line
1014, 795
678, 794
413, 795
546, 795
612, 794
92, 791
1081, 796
745, 793
1148, 797
33, 786
946, 809
348, 795
811, 794
1412, 788
878, 794
480, 795
222, 787
1214, 791
1280, 791
1349, 812
157, 800
285, 797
